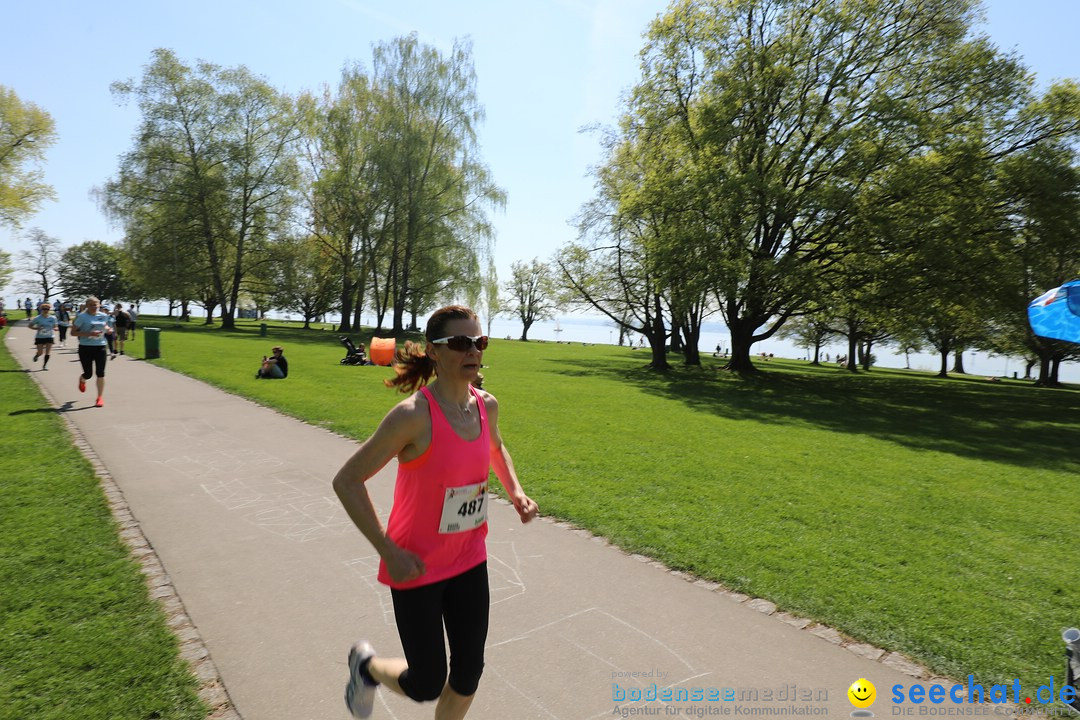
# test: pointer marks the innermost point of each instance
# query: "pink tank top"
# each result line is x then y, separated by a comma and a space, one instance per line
420, 497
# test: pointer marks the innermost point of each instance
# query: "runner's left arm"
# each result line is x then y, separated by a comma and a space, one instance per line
503, 465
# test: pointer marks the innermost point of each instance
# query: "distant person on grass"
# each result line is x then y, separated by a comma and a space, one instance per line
45, 324
90, 327
275, 367
433, 550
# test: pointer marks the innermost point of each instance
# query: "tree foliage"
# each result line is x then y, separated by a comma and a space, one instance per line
93, 268
530, 293
776, 150
26, 132
212, 173
397, 192
40, 264
6, 269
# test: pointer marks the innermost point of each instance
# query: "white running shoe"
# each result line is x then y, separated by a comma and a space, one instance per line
360, 692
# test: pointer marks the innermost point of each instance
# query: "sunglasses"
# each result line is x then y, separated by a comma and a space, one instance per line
463, 343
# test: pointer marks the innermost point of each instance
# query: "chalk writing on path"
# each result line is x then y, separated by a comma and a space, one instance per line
265, 490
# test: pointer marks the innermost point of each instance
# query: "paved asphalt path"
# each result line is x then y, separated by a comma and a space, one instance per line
236, 501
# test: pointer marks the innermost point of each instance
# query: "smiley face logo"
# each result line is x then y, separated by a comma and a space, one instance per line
862, 693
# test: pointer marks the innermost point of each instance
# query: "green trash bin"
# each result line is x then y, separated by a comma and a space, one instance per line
152, 342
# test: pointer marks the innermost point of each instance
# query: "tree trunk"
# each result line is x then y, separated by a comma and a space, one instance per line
676, 337
958, 363
817, 354
1045, 378
657, 335
691, 354
358, 310
659, 353
944, 364
852, 350
228, 321
741, 340
346, 302
866, 362
525, 325
210, 307
1055, 365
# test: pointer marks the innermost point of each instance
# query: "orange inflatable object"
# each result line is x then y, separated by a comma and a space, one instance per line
381, 350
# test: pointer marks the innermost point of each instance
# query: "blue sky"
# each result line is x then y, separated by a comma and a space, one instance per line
545, 69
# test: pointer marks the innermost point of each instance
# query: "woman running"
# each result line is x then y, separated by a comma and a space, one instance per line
433, 554
63, 317
45, 324
90, 327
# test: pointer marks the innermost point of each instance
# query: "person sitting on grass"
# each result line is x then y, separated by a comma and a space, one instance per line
275, 367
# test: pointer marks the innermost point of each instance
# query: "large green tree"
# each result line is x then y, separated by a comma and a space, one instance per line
213, 163
775, 117
40, 264
428, 165
347, 208
1043, 186
93, 268
305, 279
530, 293
6, 269
614, 267
26, 132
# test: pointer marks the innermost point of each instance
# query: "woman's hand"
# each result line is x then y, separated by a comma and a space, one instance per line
526, 508
402, 564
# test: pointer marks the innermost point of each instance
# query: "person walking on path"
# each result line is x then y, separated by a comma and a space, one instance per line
28, 306
134, 315
433, 551
63, 321
45, 324
123, 323
90, 327
110, 331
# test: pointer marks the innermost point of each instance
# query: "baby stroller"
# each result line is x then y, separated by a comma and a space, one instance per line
353, 354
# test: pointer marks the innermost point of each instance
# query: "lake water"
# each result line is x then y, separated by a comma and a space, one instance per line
600, 330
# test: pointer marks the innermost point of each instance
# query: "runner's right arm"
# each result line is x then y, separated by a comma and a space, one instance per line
398, 430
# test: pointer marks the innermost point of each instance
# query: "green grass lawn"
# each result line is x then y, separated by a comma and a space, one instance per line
932, 517
79, 635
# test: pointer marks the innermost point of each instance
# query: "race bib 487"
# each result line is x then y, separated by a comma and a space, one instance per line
464, 508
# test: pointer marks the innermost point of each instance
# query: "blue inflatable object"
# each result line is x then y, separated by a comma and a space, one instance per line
1056, 313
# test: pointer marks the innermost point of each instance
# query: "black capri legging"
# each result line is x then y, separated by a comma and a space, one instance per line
462, 602
92, 357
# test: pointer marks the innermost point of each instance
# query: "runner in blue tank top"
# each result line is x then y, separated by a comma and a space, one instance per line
45, 324
90, 327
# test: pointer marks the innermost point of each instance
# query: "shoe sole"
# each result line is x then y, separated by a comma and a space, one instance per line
359, 696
